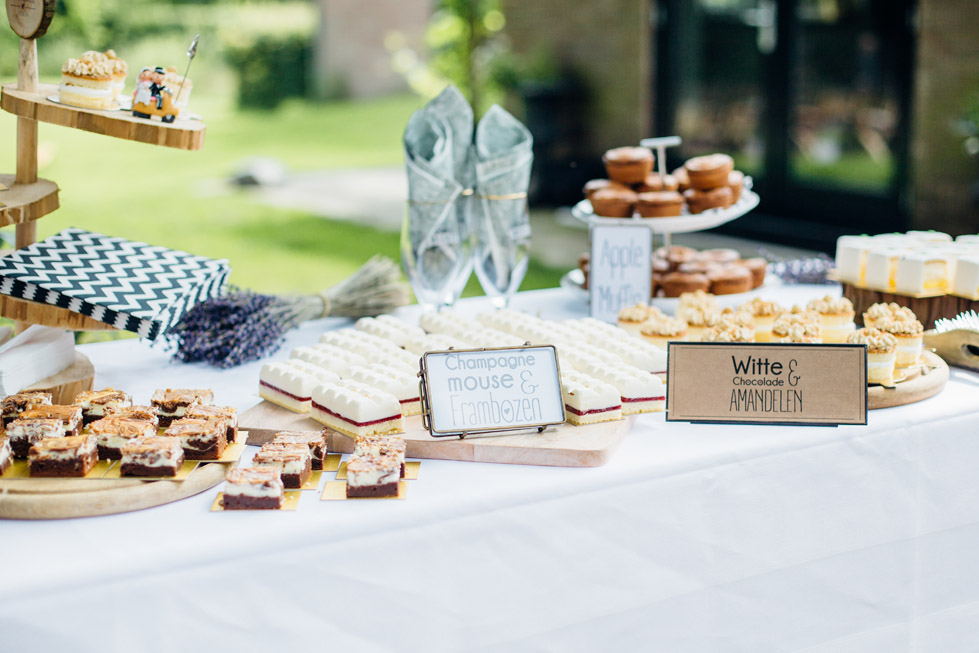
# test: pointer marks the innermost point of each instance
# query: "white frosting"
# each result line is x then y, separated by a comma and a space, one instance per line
388, 327
354, 338
631, 382
851, 257
389, 379
922, 272
636, 352
321, 374
882, 267
337, 360
288, 378
34, 433
583, 392
966, 280
71, 89
289, 465
260, 490
357, 401
154, 457
88, 447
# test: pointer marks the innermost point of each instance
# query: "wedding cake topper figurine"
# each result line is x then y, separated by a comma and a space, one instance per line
152, 97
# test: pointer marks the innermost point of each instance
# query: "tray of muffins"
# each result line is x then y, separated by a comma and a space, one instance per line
703, 193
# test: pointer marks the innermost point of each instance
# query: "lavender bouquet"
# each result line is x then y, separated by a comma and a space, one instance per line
243, 326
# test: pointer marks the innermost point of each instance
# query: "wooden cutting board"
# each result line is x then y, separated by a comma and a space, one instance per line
929, 381
558, 446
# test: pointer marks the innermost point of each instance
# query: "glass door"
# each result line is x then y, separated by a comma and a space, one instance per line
810, 97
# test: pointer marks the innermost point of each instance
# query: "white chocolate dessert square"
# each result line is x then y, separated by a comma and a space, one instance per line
321, 374
389, 328
356, 409
931, 237
966, 280
588, 400
882, 267
392, 380
336, 359
638, 353
595, 330
922, 272
640, 391
356, 340
851, 257
287, 386
381, 473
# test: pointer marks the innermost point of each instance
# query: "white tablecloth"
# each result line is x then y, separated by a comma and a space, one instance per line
692, 538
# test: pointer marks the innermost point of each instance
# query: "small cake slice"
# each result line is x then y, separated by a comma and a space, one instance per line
253, 488
921, 272
331, 357
152, 455
14, 405
588, 400
24, 432
6, 455
294, 462
835, 316
909, 335
886, 311
640, 391
392, 380
201, 439
144, 413
315, 440
966, 279
356, 409
764, 313
73, 455
112, 433
661, 331
226, 414
95, 404
631, 317
86, 83
370, 476
382, 445
801, 327
172, 404
389, 328
881, 354
70, 416
290, 384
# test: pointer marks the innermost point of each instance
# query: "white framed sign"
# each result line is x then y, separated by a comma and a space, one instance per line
469, 391
621, 268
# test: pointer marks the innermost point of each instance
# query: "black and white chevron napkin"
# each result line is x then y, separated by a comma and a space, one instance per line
132, 286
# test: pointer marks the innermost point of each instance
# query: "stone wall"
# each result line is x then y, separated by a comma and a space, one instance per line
946, 74
351, 57
607, 44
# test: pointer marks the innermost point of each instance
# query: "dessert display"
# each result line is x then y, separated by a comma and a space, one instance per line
151, 455
6, 455
219, 414
315, 440
89, 82
70, 417
373, 476
881, 354
15, 404
73, 455
639, 391
293, 461
356, 408
588, 400
96, 404
25, 432
172, 404
113, 433
835, 317
253, 488
201, 439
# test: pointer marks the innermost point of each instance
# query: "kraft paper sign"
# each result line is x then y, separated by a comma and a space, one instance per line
767, 383
472, 391
621, 268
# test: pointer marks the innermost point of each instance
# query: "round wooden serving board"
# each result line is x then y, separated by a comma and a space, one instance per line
64, 498
931, 381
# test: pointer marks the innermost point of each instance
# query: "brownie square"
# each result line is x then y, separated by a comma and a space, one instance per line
24, 432
172, 403
74, 455
70, 416
14, 405
201, 439
96, 403
293, 461
217, 413
112, 434
151, 456
253, 488
144, 413
315, 440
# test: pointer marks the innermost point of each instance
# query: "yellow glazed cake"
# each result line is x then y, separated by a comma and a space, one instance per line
835, 316
881, 354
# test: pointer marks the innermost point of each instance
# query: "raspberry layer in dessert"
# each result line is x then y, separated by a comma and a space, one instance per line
151, 456
356, 409
75, 455
588, 400
403, 385
112, 433
290, 386
253, 488
640, 391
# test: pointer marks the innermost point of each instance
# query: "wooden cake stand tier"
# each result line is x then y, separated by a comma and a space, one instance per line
26, 202
64, 498
182, 134
928, 309
24, 310
931, 381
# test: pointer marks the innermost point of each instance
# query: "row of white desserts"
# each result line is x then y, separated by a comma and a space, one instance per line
912, 262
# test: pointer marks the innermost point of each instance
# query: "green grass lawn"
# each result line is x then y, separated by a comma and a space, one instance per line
160, 195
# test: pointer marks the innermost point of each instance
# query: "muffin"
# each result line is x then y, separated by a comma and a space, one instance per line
661, 204
682, 179
613, 203
599, 184
757, 267
730, 280
699, 201
628, 165
735, 181
675, 284
656, 182
711, 171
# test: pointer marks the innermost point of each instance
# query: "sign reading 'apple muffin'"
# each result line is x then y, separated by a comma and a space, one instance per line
752, 383
620, 271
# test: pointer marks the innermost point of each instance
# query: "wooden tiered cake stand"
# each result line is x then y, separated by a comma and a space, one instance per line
27, 198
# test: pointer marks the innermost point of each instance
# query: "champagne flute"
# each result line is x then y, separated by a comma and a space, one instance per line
436, 252
502, 250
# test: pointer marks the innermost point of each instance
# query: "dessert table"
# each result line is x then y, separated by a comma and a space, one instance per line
692, 538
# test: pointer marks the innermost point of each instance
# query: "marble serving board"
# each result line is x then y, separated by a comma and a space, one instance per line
558, 446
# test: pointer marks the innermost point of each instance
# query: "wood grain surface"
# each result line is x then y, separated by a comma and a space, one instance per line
928, 309
26, 202
560, 446
927, 383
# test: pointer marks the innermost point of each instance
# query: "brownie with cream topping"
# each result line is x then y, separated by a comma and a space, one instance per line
201, 439
382, 445
24, 432
112, 433
373, 476
73, 455
70, 416
142, 413
315, 440
95, 404
151, 455
253, 488
172, 403
226, 414
294, 462
14, 405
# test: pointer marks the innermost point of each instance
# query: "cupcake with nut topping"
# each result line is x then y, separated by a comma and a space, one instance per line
881, 354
